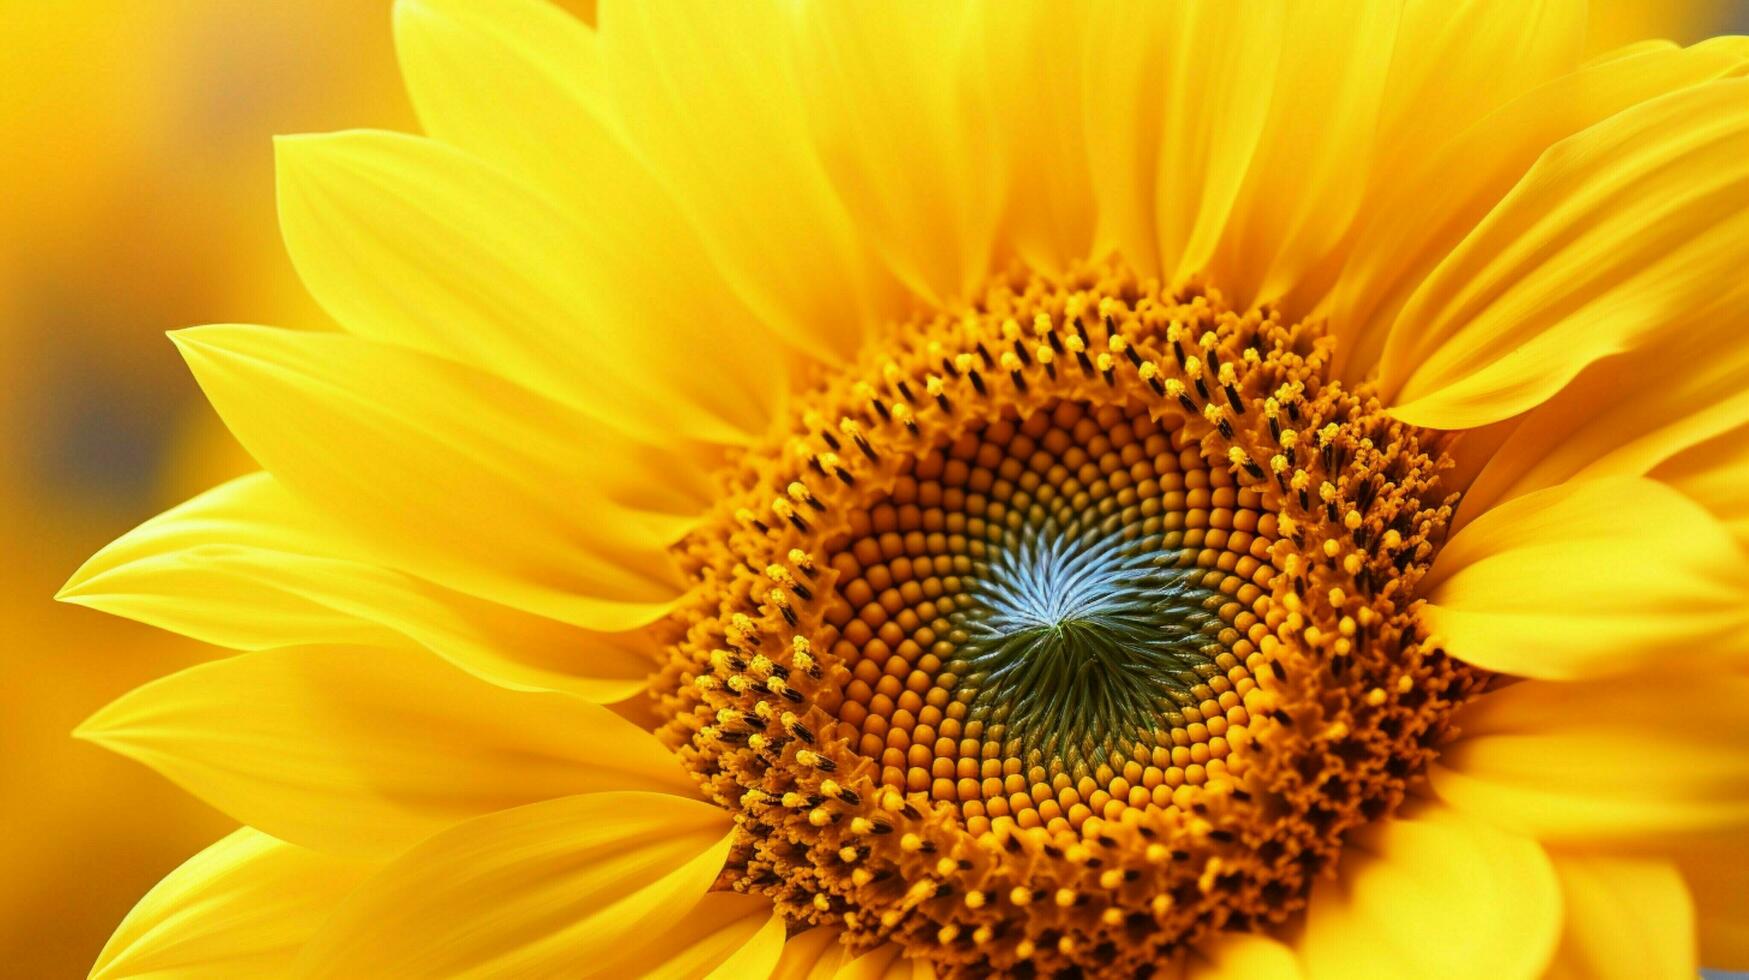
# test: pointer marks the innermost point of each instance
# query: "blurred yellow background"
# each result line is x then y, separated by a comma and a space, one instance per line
136, 196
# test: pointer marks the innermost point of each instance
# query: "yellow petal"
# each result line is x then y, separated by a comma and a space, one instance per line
912, 162
709, 94
455, 475
726, 935
1246, 955
248, 566
411, 241
1627, 228
1590, 578
1626, 919
1716, 869
885, 963
1434, 894
812, 955
1631, 758
1220, 71
360, 751
241, 908
571, 887
1307, 177
1452, 150
518, 84
1039, 133
1716, 474
1626, 416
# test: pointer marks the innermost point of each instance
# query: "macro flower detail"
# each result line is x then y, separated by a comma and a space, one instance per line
1113, 490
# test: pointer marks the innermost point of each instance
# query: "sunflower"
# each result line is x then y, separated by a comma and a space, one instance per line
946, 489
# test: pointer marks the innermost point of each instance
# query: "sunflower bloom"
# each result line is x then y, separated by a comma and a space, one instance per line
937, 489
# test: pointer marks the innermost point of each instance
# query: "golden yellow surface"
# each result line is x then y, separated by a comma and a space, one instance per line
136, 195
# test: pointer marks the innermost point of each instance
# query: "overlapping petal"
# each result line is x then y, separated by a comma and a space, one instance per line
1626, 918
454, 474
411, 241
1421, 210
711, 97
243, 907
246, 565
1633, 226
579, 886
1562, 583
1434, 894
361, 751
1623, 759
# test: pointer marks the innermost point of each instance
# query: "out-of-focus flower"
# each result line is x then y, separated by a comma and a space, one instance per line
1227, 490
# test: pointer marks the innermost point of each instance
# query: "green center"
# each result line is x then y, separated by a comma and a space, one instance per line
1082, 642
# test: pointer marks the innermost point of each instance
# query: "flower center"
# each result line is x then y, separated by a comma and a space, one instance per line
1064, 631
1080, 640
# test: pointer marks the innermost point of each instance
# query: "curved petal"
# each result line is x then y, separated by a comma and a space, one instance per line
243, 907
1436, 894
1176, 98
1626, 919
1625, 416
577, 886
712, 99
1715, 473
1589, 578
726, 935
812, 955
885, 963
1622, 759
1636, 225
364, 751
1420, 213
913, 163
1307, 178
248, 566
454, 475
1030, 60
518, 84
411, 241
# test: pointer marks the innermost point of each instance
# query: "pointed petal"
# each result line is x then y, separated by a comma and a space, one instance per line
1622, 759
574, 886
725, 935
360, 751
248, 566
455, 475
414, 242
518, 84
1428, 199
1626, 416
243, 907
1636, 225
1590, 578
1626, 919
1436, 894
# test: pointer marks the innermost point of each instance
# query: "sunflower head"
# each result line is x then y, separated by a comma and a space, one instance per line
1070, 491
